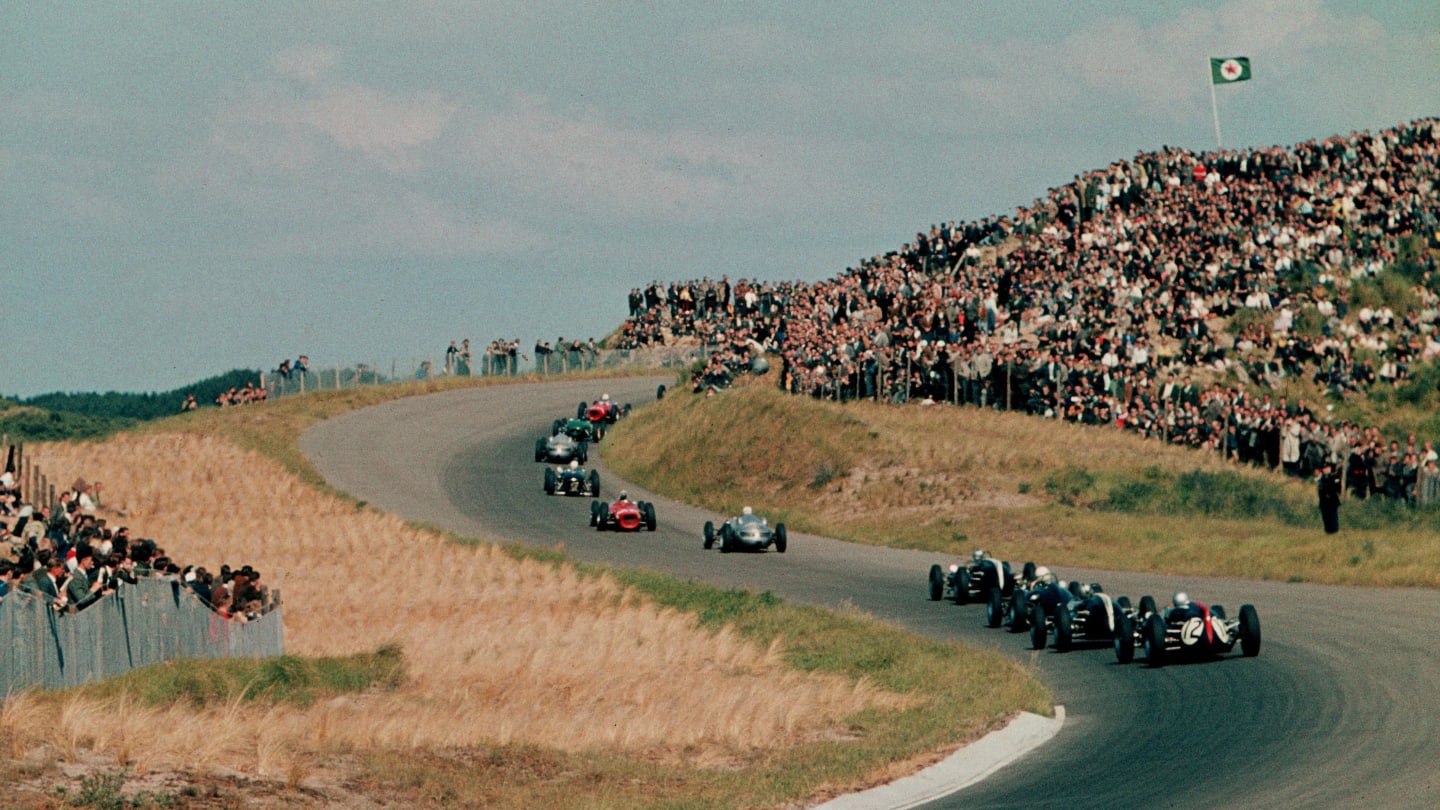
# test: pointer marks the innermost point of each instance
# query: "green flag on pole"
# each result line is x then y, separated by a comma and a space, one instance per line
1229, 70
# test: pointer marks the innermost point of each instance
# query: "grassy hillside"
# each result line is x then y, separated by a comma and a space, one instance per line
433, 671
948, 479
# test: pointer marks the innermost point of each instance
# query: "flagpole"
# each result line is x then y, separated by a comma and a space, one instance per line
1215, 112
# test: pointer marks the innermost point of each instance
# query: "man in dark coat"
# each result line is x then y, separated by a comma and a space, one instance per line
1328, 489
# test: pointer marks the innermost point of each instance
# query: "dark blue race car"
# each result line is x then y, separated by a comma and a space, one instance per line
972, 581
1076, 612
572, 479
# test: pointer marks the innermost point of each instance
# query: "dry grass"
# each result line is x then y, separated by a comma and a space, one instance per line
499, 650
946, 479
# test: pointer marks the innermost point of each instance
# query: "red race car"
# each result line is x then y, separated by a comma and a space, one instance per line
602, 410
624, 515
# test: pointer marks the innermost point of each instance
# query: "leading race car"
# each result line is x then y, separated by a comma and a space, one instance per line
972, 581
602, 410
572, 479
1076, 611
622, 515
745, 532
1187, 629
561, 447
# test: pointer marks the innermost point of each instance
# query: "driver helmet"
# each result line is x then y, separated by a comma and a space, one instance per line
574, 464
624, 496
1043, 575
604, 397
978, 554
1181, 600
747, 511
1085, 590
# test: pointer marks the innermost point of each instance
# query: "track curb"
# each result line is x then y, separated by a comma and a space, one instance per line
961, 769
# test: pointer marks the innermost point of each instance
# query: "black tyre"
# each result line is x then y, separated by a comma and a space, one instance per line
602, 516
1123, 602
1147, 606
1018, 621
995, 608
1027, 573
539, 449
726, 545
625, 411
1124, 638
709, 535
1064, 629
580, 411
550, 480
648, 510
1154, 634
962, 586
937, 583
1218, 611
594, 513
780, 539
1038, 630
1095, 586
599, 431
594, 484
1249, 631
557, 426
1074, 588
660, 392
582, 452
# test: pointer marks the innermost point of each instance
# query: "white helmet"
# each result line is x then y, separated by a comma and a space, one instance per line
1085, 591
574, 464
1181, 599
747, 511
624, 496
978, 554
1042, 574
604, 397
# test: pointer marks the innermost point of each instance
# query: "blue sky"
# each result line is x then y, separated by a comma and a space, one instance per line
187, 188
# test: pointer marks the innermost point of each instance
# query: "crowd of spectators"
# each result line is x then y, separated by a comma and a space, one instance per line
68, 556
1176, 294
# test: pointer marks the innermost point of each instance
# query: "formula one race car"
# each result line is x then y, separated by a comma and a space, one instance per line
580, 429
572, 479
561, 447
972, 581
1186, 629
602, 410
1076, 611
745, 532
622, 515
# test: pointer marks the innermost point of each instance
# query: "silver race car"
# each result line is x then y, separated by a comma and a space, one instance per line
745, 532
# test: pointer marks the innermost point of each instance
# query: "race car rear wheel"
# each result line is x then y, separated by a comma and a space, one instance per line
780, 539
1154, 634
1249, 631
594, 513
557, 426
1123, 602
1147, 605
602, 515
1064, 629
594, 483
995, 608
549, 480
583, 452
937, 583
726, 545
1038, 630
1018, 622
648, 510
962, 586
1218, 611
709, 535
1124, 638
580, 411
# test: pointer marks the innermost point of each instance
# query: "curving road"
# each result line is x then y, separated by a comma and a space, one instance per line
1341, 708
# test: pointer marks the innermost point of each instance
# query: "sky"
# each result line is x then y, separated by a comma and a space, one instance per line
188, 188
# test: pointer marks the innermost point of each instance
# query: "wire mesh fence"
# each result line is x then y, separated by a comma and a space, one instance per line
144, 623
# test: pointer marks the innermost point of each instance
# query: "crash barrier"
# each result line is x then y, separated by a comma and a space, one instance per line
143, 623
486, 365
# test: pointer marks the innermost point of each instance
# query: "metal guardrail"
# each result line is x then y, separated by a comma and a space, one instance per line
141, 624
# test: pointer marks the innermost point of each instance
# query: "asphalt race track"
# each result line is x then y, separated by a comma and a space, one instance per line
1340, 709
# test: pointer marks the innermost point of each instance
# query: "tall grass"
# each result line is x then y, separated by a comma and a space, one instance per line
688, 696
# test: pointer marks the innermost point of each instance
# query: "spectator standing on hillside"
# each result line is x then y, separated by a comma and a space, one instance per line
1328, 489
